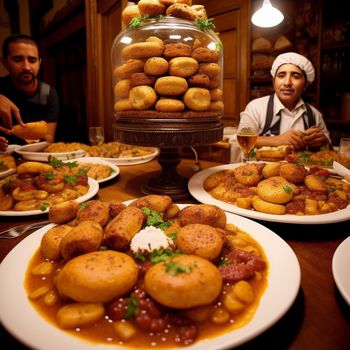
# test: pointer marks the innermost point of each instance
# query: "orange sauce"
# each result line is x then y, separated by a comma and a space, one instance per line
103, 332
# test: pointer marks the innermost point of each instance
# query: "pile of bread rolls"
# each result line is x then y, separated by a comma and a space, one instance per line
167, 78
177, 8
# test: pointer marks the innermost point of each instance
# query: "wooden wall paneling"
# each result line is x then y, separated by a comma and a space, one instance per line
232, 26
214, 8
93, 43
105, 25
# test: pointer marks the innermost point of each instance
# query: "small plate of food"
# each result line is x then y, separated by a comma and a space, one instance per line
279, 192
36, 152
36, 186
95, 168
205, 304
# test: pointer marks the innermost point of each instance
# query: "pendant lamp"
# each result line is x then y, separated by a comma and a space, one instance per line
267, 16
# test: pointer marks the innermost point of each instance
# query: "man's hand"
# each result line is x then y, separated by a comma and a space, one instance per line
314, 137
294, 138
8, 110
3, 144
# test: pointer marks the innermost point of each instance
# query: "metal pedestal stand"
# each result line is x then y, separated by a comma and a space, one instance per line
168, 135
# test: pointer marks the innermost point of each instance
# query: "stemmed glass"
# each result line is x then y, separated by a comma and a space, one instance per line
96, 135
246, 138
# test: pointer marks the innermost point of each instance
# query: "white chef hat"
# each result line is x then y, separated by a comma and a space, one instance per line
298, 60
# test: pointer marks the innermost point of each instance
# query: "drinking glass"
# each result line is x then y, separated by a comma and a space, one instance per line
344, 151
246, 138
96, 135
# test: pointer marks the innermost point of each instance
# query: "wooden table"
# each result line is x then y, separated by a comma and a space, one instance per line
318, 319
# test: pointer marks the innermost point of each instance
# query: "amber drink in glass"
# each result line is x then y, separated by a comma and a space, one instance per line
246, 139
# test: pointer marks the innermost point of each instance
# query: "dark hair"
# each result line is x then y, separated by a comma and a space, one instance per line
16, 38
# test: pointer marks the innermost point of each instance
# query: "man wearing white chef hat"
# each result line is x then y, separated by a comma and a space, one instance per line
284, 114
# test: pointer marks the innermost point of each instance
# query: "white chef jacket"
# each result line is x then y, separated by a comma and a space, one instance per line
254, 116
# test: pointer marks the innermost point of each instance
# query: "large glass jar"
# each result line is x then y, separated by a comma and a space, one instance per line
167, 68
167, 81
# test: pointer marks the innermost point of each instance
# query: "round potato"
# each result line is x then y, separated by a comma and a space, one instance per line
153, 201
97, 277
248, 174
275, 189
293, 172
314, 183
61, 213
50, 242
214, 179
200, 240
184, 282
84, 238
271, 169
94, 210
206, 214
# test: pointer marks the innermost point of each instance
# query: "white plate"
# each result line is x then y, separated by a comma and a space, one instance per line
195, 186
340, 269
7, 172
133, 160
34, 152
97, 160
20, 318
93, 189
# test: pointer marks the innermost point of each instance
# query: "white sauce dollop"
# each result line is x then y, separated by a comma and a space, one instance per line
148, 239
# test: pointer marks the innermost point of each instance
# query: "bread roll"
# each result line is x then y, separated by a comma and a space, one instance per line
151, 7
171, 86
183, 66
142, 97
261, 44
129, 13
197, 99
31, 131
282, 43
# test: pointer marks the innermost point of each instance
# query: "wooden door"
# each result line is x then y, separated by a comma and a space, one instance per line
102, 28
232, 24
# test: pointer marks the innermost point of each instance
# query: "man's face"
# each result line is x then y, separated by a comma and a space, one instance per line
289, 84
23, 63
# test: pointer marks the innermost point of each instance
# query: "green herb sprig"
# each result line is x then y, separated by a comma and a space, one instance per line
137, 21
204, 24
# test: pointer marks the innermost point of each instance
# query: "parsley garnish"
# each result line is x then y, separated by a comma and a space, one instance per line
49, 176
70, 179
56, 163
173, 268
84, 205
132, 307
82, 172
172, 236
43, 206
204, 24
159, 255
136, 22
7, 181
71, 165
155, 218
287, 189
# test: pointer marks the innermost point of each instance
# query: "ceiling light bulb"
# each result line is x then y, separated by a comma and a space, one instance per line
267, 16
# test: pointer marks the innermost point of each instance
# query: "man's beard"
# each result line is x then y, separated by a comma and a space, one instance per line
24, 78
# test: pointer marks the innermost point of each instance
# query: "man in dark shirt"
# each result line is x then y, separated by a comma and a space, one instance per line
23, 98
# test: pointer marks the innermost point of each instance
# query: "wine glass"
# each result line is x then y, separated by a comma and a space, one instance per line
246, 138
96, 135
